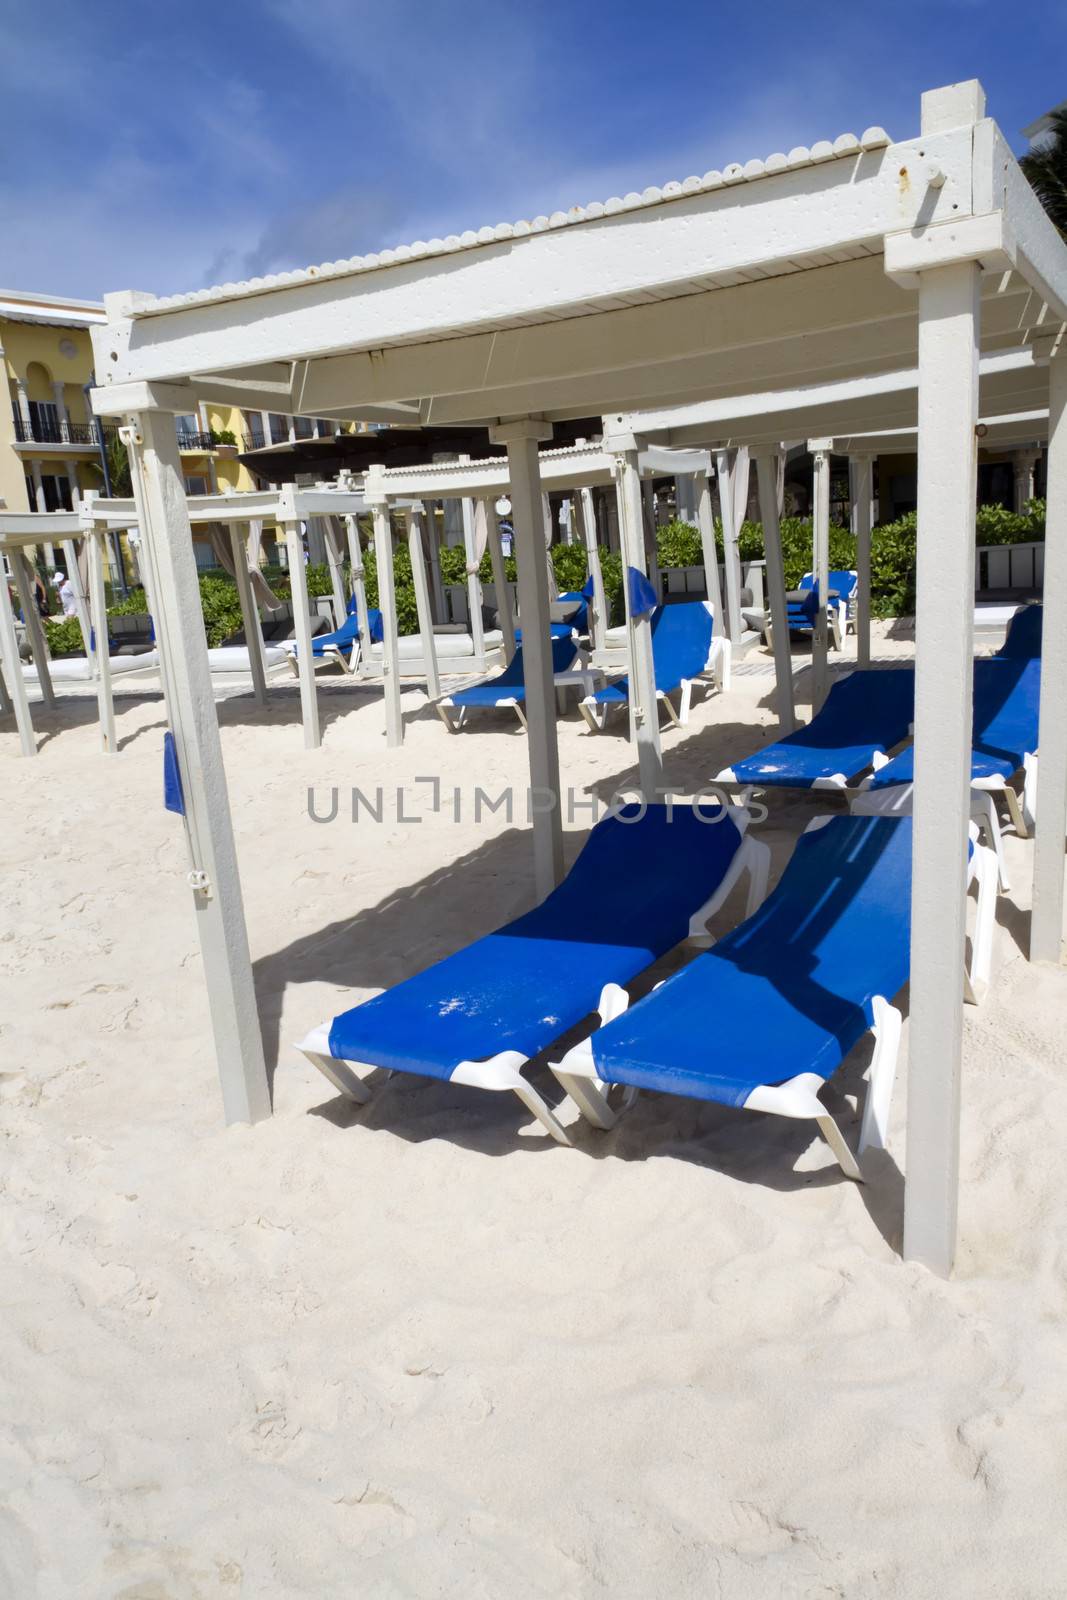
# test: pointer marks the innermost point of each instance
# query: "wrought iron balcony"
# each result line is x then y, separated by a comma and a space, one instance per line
253, 441
195, 441
75, 433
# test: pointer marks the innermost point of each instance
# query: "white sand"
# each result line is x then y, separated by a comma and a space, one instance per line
412, 1350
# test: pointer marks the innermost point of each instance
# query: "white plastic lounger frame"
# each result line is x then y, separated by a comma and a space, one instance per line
716, 674
799, 1097
504, 1071
583, 677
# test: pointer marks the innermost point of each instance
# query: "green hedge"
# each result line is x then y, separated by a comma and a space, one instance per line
678, 545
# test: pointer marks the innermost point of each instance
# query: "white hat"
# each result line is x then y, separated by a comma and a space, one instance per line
59, 577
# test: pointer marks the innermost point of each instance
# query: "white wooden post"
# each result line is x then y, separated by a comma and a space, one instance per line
433, 554
949, 311
1023, 464
862, 476
474, 582
383, 558
709, 550
422, 599
81, 604
648, 504
643, 705
506, 617
731, 559
521, 438
1046, 919
249, 616
333, 562
298, 589
359, 583
16, 683
20, 566
166, 536
598, 627
820, 565
767, 478
98, 612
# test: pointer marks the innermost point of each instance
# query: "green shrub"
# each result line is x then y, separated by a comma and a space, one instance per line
64, 636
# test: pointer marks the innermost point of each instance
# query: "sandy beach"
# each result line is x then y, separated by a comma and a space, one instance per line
416, 1349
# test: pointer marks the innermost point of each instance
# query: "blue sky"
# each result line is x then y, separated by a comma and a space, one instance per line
165, 147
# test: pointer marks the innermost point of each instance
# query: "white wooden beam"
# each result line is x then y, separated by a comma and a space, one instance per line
944, 622
521, 439
724, 471
414, 514
98, 612
359, 581
250, 621
1046, 920
305, 664
767, 477
486, 509
862, 483
642, 703
383, 561
335, 565
155, 463
24, 575
709, 548
820, 562
598, 607
16, 683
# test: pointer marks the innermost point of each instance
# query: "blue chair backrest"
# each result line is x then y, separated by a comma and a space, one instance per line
1024, 635
563, 654
871, 706
579, 619
836, 927
681, 641
842, 582
1006, 706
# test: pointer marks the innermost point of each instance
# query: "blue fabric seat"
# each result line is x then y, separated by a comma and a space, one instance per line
344, 637
628, 899
800, 614
863, 715
1023, 639
790, 989
509, 685
681, 648
1005, 728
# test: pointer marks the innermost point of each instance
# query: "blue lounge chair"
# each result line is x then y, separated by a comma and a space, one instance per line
1023, 639
682, 651
1003, 743
864, 715
645, 879
508, 688
340, 647
771, 1011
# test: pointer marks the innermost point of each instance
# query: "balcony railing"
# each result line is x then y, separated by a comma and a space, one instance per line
78, 433
253, 441
195, 441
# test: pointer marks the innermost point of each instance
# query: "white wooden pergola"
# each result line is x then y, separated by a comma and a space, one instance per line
288, 507
843, 260
579, 468
860, 418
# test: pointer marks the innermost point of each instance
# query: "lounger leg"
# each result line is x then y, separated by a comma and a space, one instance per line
1015, 811
342, 1077
724, 665
984, 812
686, 701
665, 699
541, 1110
1029, 788
594, 715
982, 944
874, 1130
444, 711
520, 713
836, 1140
759, 869
591, 1101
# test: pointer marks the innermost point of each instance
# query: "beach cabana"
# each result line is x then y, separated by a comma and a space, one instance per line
579, 469
841, 260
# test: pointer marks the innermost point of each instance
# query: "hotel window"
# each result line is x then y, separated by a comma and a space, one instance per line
303, 427
44, 421
254, 420
279, 428
187, 427
195, 485
324, 427
57, 495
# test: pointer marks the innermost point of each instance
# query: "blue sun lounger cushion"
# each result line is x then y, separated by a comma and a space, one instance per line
863, 716
772, 1010
629, 898
1023, 640
1006, 702
509, 686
